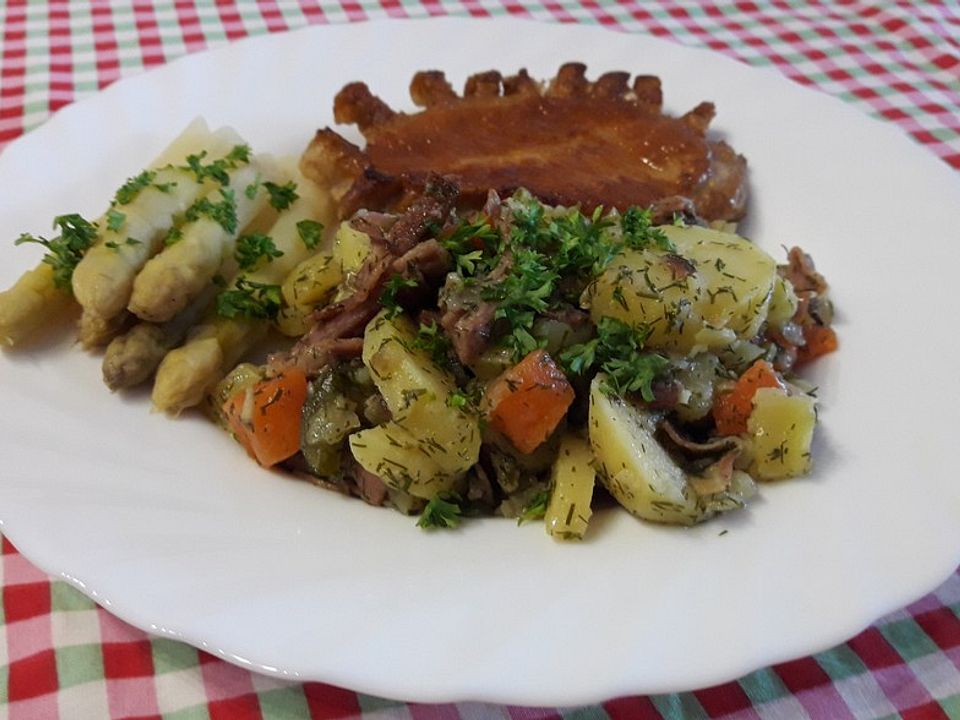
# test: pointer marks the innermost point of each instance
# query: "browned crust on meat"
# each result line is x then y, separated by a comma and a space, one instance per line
355, 104
430, 87
568, 141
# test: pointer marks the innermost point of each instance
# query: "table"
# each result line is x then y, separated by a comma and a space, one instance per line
62, 656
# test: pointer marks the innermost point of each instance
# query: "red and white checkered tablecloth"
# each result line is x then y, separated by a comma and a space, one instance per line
64, 657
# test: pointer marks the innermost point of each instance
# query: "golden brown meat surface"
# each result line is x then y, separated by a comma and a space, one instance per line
603, 142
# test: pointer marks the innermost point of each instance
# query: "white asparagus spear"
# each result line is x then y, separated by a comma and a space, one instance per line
132, 358
179, 273
95, 331
32, 303
36, 301
136, 226
188, 372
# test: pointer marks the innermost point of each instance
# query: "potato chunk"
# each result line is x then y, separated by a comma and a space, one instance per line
350, 247
573, 478
437, 441
716, 288
311, 283
633, 466
781, 432
401, 460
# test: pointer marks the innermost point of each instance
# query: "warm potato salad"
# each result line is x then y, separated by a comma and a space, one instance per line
527, 361
521, 360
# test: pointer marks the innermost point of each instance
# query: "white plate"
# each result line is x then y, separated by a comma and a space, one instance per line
173, 529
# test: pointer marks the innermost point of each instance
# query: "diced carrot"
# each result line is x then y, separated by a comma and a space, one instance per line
528, 401
265, 418
820, 341
731, 409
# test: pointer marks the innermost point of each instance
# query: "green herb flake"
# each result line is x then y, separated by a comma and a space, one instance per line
536, 509
391, 288
115, 219
639, 231
224, 213
128, 192
251, 190
310, 232
442, 511
457, 400
66, 250
218, 169
618, 351
282, 196
174, 236
251, 249
472, 244
115, 246
238, 155
434, 341
250, 299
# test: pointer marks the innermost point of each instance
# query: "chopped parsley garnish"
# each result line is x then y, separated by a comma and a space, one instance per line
251, 190
310, 232
238, 155
218, 169
113, 245
618, 351
251, 249
66, 250
458, 400
391, 288
432, 339
115, 220
442, 511
173, 237
634, 374
536, 509
639, 231
224, 213
250, 299
282, 196
548, 260
526, 291
472, 245
128, 192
